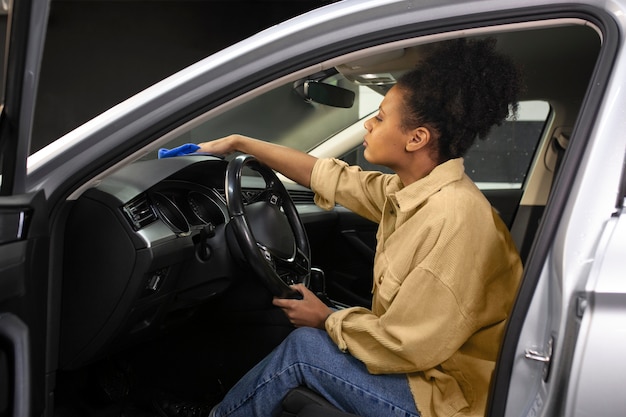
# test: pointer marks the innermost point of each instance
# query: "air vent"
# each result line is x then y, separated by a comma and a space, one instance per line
302, 196
140, 212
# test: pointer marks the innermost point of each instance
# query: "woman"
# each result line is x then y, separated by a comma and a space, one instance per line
446, 270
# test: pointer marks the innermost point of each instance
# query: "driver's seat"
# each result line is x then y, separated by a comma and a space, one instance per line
303, 402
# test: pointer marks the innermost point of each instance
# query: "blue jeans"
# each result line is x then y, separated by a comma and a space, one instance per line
308, 357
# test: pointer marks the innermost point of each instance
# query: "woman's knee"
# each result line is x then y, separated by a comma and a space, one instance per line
307, 335
304, 337
305, 342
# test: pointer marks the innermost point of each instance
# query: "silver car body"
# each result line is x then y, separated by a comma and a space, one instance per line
566, 343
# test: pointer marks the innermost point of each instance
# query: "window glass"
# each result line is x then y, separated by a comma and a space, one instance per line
501, 160
369, 100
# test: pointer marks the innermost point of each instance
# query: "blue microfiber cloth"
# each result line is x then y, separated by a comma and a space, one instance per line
185, 149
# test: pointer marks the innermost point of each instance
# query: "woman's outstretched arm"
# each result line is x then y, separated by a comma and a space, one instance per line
292, 163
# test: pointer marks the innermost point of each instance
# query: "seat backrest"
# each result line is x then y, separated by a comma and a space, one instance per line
527, 219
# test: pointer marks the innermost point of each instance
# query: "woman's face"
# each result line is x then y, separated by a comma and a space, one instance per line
385, 140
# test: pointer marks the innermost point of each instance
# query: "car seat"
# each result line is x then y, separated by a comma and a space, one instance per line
304, 402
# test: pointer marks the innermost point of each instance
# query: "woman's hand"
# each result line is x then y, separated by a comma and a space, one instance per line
310, 311
222, 147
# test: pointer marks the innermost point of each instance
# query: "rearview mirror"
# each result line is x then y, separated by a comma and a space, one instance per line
326, 94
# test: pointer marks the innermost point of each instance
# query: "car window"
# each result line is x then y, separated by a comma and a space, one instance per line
500, 161
503, 159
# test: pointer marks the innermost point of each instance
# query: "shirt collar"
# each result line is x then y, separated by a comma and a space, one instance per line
416, 193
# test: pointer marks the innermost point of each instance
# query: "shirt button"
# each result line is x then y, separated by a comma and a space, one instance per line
380, 279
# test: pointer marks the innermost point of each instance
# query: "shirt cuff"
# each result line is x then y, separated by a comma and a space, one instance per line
334, 325
324, 181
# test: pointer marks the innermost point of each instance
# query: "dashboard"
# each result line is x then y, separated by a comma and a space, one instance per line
143, 248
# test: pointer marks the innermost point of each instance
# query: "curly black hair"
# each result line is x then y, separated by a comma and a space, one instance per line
461, 90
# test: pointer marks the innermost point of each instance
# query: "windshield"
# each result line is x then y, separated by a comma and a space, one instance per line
285, 115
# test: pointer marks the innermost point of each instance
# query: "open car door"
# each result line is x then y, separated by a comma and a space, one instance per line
23, 218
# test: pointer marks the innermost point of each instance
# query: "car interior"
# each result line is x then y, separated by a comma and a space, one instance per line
170, 264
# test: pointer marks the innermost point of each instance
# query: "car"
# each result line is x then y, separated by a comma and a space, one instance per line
129, 279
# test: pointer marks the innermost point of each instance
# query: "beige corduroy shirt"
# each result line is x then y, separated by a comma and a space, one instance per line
446, 273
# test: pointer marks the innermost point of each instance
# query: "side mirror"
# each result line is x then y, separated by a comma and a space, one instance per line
326, 94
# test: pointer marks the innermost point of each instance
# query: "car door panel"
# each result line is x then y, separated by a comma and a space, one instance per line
23, 292
343, 245
24, 234
598, 362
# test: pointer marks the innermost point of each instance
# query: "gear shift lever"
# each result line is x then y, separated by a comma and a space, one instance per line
317, 284
317, 281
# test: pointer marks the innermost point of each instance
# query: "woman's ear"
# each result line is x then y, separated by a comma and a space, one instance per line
420, 138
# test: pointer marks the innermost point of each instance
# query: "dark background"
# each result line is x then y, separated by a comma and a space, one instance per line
100, 52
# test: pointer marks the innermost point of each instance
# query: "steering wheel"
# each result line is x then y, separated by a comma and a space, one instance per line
268, 229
